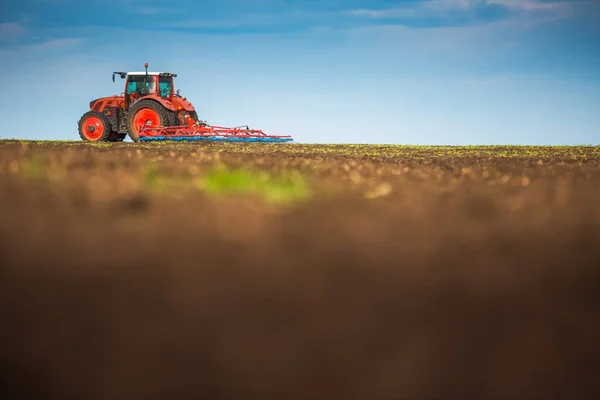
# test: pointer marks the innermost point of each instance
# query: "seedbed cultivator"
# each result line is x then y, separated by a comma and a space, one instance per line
151, 110
201, 131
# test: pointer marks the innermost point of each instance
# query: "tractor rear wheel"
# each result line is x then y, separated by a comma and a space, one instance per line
148, 112
181, 117
94, 127
194, 116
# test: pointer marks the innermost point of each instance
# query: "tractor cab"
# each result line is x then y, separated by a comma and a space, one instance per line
140, 84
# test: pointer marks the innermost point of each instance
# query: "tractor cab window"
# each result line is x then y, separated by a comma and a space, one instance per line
135, 84
165, 86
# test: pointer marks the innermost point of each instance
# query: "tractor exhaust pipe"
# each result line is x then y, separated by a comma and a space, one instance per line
146, 79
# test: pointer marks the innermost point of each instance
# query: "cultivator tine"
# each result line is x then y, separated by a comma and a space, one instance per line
204, 132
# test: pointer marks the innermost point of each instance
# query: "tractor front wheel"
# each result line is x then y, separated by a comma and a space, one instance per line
147, 112
94, 127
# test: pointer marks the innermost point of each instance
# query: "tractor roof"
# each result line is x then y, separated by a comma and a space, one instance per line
144, 73
150, 73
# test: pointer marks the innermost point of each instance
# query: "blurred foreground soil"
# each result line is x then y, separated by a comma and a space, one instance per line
399, 273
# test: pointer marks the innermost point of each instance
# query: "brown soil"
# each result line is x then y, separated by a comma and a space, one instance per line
408, 273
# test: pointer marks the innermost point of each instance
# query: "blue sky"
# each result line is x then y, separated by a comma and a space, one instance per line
324, 71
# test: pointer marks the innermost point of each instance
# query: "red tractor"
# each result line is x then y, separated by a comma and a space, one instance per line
149, 100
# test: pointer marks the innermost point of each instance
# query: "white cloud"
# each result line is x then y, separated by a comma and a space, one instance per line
247, 20
531, 4
444, 8
11, 29
418, 9
47, 44
389, 13
53, 43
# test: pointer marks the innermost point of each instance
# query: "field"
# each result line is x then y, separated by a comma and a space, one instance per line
247, 271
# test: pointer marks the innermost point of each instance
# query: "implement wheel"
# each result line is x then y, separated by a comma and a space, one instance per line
148, 112
94, 127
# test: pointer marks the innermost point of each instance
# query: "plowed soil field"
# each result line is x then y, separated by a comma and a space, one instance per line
259, 271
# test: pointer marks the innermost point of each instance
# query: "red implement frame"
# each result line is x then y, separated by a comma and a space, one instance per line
194, 131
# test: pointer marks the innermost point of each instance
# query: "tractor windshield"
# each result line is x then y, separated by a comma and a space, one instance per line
135, 83
165, 86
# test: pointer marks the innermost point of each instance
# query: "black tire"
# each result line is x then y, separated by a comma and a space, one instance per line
91, 123
166, 117
114, 135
